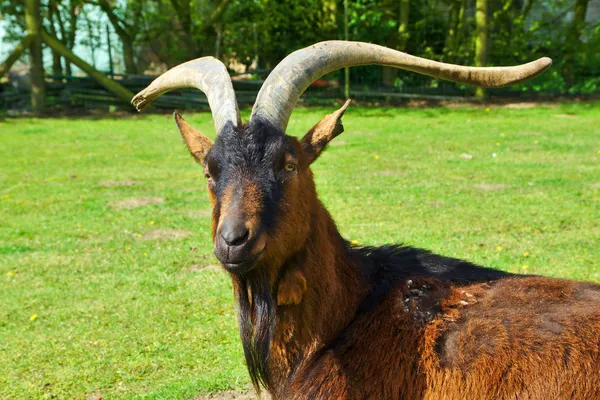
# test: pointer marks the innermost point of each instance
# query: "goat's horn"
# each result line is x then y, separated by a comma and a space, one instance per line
297, 71
206, 74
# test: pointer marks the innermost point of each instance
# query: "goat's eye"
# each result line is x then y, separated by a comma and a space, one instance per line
289, 167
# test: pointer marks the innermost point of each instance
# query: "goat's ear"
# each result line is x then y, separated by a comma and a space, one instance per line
198, 144
317, 138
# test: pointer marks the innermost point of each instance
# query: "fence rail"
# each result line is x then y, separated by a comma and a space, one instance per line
73, 92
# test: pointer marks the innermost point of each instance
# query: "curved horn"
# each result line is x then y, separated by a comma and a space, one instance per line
282, 88
206, 74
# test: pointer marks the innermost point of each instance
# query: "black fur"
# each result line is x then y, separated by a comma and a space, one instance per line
256, 317
385, 266
255, 150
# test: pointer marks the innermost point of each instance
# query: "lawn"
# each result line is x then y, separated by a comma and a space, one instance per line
107, 279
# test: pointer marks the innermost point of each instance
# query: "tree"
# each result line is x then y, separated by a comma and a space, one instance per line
122, 93
126, 23
65, 14
399, 39
195, 38
56, 59
34, 27
573, 43
15, 55
481, 40
403, 33
456, 17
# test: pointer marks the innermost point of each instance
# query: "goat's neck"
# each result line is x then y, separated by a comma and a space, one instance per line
334, 289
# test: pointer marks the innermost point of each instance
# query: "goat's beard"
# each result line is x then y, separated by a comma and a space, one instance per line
257, 316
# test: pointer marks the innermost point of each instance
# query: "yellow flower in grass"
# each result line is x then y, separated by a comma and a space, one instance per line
526, 254
499, 248
354, 242
33, 317
10, 273
525, 267
487, 109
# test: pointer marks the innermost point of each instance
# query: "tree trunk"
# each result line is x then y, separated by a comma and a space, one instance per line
184, 15
61, 27
91, 39
578, 21
451, 45
15, 55
403, 34
129, 57
218, 12
481, 42
112, 86
110, 59
38, 89
70, 39
219, 29
346, 37
126, 37
56, 61
573, 45
399, 41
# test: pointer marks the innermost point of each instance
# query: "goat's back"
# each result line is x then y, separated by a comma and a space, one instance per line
513, 338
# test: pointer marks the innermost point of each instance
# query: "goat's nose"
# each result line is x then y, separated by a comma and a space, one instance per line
234, 232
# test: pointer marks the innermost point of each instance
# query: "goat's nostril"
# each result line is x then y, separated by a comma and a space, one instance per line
234, 234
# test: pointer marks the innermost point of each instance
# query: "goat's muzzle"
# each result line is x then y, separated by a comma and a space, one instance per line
237, 245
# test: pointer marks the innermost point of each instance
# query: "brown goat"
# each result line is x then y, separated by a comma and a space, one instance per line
322, 319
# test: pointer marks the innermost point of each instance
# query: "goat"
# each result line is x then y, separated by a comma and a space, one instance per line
320, 318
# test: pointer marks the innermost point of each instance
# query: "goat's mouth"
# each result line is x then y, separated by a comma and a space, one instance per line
241, 267
241, 260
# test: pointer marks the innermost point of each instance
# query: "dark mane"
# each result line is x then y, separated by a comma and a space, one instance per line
389, 264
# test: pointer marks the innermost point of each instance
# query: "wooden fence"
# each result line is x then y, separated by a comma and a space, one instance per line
70, 92
83, 92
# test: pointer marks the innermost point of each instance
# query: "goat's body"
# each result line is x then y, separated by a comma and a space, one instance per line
320, 319
438, 328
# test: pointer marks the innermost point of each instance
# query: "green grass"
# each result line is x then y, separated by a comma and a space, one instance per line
125, 317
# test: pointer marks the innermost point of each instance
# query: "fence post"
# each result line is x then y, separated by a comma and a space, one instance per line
346, 70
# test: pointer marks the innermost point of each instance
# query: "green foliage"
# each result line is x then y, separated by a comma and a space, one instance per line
259, 33
102, 298
12, 15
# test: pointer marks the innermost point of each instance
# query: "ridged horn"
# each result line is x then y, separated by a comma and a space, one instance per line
206, 74
283, 87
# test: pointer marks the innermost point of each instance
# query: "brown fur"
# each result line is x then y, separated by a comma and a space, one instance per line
427, 337
291, 288
198, 144
519, 338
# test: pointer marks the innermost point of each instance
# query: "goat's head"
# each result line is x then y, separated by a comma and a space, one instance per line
260, 187
259, 179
